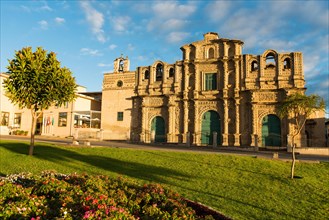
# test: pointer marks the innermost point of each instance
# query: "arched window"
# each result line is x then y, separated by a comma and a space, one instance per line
171, 72
286, 63
121, 63
159, 72
254, 65
146, 74
270, 60
211, 53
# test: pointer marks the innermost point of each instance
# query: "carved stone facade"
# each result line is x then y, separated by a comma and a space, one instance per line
214, 93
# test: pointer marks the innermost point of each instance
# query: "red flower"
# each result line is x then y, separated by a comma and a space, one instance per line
95, 201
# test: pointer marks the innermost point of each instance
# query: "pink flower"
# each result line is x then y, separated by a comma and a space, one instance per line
88, 214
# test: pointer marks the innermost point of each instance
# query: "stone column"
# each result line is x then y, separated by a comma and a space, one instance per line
171, 120
144, 124
253, 134
186, 78
225, 74
237, 74
198, 80
237, 123
225, 49
139, 75
152, 75
186, 120
225, 130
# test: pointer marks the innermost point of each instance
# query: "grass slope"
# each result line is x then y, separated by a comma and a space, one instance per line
238, 186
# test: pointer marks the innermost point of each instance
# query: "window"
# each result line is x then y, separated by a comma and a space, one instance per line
87, 119
159, 72
121, 64
286, 63
210, 81
62, 119
270, 60
211, 53
120, 116
119, 83
4, 118
171, 72
17, 120
254, 65
146, 74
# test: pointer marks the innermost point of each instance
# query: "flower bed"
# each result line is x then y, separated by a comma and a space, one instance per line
53, 195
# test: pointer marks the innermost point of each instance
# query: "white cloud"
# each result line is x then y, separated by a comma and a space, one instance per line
130, 47
107, 71
169, 9
104, 64
169, 16
43, 24
217, 10
91, 52
59, 20
141, 7
112, 46
121, 23
45, 7
35, 7
176, 37
25, 8
141, 58
325, 84
174, 24
95, 20
65, 5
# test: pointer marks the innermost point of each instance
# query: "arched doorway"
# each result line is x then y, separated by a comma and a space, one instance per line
271, 131
210, 124
158, 129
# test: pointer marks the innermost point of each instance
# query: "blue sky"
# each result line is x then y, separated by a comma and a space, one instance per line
88, 35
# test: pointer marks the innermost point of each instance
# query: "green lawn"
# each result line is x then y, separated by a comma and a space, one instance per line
240, 187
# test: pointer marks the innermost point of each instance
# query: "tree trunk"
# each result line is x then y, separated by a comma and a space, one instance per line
293, 157
293, 162
33, 127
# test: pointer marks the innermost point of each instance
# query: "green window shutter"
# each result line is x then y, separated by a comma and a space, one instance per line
120, 116
210, 81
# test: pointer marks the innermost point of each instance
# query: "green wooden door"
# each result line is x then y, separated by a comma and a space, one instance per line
158, 128
271, 131
210, 124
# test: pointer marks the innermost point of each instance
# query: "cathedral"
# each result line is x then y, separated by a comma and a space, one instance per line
215, 95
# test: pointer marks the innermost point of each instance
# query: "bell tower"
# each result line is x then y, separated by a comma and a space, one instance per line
121, 64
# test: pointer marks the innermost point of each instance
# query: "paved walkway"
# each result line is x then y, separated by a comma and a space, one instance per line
270, 154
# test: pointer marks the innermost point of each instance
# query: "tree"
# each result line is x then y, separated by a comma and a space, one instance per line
37, 81
299, 107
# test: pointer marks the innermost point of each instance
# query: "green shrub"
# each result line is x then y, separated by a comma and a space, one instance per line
53, 195
20, 132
